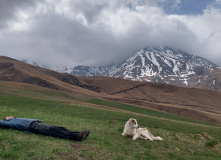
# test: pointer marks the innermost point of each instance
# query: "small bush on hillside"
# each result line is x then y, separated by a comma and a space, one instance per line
211, 144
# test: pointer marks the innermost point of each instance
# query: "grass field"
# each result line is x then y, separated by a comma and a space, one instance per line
184, 139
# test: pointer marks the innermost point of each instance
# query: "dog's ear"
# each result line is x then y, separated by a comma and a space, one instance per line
132, 121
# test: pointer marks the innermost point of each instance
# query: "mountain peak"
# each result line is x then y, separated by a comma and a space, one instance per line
159, 64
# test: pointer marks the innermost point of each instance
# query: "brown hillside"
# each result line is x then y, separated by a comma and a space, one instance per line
198, 104
13, 70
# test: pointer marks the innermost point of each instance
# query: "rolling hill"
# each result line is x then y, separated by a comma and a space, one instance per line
197, 104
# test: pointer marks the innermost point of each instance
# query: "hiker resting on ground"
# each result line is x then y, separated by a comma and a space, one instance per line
36, 126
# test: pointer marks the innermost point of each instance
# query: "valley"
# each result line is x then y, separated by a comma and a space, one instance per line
183, 138
187, 119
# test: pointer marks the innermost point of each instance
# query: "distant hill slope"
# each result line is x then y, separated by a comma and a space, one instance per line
193, 103
13, 70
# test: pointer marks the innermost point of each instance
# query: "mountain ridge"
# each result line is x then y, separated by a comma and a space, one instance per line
158, 64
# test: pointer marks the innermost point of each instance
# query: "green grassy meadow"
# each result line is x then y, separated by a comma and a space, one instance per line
184, 139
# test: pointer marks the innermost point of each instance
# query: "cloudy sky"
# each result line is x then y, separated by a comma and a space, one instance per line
102, 32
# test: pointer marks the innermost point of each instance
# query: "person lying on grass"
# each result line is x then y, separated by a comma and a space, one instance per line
36, 126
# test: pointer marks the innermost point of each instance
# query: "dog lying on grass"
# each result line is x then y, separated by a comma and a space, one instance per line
132, 129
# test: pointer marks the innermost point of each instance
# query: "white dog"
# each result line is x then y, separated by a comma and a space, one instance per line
132, 129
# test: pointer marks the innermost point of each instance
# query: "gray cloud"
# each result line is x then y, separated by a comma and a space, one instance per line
101, 32
9, 9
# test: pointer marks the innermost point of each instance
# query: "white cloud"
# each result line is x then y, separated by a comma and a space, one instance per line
103, 31
207, 28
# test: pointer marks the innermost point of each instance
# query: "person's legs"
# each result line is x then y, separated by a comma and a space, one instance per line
56, 131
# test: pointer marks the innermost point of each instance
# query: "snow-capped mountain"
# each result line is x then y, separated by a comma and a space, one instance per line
93, 71
63, 69
163, 64
80, 70
158, 64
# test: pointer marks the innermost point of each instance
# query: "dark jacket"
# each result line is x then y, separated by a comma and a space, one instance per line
18, 123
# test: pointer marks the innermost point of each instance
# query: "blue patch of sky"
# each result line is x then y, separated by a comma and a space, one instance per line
132, 6
185, 7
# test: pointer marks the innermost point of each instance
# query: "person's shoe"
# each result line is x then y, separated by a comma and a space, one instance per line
81, 135
87, 132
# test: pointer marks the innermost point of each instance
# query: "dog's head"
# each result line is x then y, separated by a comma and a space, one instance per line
133, 123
